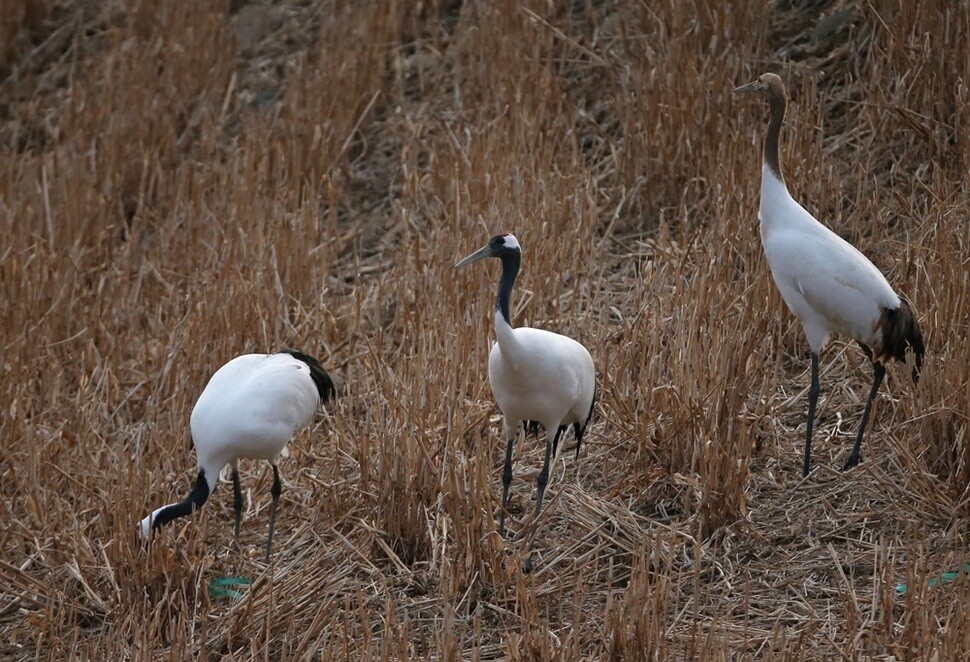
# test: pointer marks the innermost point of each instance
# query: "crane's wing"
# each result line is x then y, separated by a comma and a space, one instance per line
826, 280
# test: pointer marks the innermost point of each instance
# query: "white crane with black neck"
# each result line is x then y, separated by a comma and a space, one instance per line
251, 407
536, 376
825, 281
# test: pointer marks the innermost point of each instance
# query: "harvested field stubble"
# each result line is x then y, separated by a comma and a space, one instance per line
184, 181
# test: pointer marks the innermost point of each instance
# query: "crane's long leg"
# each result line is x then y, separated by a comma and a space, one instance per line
813, 391
237, 498
555, 444
878, 372
506, 480
276, 490
551, 442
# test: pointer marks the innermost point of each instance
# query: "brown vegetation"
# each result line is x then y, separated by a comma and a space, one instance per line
184, 181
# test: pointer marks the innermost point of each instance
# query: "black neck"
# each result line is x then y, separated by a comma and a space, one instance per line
510, 269
776, 105
194, 501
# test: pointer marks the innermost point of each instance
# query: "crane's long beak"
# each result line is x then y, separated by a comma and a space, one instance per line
750, 87
481, 253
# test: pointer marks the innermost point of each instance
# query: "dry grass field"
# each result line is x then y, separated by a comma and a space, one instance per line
188, 180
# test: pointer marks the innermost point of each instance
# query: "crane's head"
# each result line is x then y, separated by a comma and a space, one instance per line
767, 85
145, 526
501, 245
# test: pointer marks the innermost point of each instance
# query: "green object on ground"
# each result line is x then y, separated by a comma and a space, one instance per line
945, 578
220, 587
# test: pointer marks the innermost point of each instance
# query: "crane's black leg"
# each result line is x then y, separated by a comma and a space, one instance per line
276, 490
237, 498
541, 485
813, 391
555, 443
506, 481
878, 372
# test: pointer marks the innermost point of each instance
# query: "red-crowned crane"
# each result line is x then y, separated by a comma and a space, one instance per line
826, 282
536, 376
251, 407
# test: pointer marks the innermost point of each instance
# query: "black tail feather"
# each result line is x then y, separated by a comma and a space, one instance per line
580, 431
319, 376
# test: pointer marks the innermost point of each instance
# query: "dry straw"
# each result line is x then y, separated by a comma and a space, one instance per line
184, 181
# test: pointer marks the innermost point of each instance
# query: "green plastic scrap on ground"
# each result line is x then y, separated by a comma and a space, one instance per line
945, 578
220, 587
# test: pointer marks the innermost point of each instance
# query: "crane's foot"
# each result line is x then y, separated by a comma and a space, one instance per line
851, 462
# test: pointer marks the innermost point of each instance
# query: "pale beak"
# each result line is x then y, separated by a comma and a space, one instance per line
481, 253
753, 86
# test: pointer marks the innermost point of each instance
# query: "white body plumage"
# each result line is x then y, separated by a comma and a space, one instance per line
251, 407
540, 376
827, 283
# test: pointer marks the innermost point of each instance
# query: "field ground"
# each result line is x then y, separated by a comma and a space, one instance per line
184, 181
